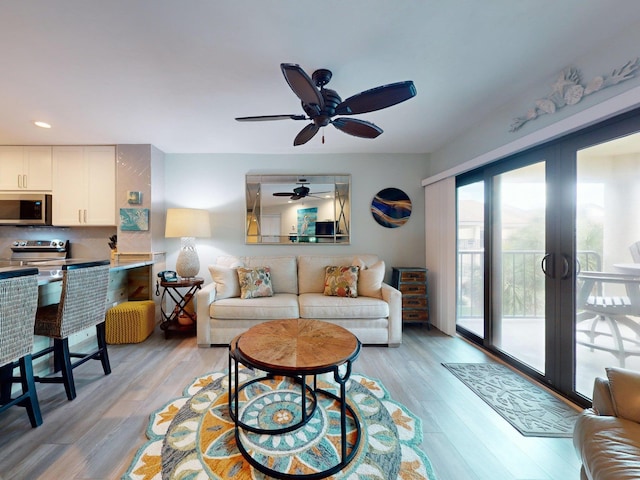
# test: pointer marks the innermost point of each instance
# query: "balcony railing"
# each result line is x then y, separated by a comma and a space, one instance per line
522, 281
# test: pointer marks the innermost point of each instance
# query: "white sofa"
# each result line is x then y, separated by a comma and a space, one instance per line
298, 286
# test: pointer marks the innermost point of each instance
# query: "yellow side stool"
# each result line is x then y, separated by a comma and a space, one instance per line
130, 322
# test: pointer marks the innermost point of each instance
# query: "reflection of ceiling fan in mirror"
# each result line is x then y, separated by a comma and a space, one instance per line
299, 192
321, 104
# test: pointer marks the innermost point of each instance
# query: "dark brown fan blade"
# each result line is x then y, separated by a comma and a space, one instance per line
263, 118
306, 134
377, 98
302, 85
283, 194
357, 128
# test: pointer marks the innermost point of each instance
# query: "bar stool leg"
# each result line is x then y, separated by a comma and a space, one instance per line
101, 336
6, 371
63, 362
29, 385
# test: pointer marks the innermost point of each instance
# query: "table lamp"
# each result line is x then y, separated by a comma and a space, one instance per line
187, 223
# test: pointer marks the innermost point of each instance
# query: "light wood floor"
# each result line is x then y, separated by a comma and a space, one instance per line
96, 435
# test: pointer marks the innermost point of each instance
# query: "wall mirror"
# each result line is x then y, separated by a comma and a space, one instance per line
305, 209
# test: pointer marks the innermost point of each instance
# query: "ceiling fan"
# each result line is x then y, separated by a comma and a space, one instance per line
321, 104
299, 192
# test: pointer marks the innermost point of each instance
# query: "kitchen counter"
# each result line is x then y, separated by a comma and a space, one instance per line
52, 271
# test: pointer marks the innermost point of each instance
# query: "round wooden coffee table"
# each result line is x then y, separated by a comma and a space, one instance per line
295, 348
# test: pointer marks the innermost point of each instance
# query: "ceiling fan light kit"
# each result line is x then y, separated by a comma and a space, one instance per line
321, 104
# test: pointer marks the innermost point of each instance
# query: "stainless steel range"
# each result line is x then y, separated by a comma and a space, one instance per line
34, 252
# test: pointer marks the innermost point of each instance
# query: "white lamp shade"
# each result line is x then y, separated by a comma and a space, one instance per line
187, 222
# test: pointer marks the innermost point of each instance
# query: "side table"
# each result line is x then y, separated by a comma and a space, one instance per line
174, 320
412, 283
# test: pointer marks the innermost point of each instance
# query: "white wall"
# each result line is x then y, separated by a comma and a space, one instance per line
216, 182
491, 134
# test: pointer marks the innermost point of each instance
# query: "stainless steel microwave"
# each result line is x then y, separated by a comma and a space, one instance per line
25, 209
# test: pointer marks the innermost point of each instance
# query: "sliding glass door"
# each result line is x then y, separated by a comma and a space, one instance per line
518, 240
607, 236
501, 218
470, 275
549, 256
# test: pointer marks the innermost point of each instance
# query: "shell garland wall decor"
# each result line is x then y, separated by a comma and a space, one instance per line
569, 90
391, 207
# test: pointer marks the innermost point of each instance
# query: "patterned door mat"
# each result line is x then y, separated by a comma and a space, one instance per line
532, 410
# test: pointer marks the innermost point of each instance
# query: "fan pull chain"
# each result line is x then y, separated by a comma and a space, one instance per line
323, 138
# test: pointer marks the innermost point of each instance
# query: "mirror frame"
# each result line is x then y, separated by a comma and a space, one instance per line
336, 209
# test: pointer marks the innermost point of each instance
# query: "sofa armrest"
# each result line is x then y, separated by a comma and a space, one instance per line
608, 446
602, 400
204, 297
394, 298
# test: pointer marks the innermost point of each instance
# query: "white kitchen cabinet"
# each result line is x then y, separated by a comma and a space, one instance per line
25, 168
84, 186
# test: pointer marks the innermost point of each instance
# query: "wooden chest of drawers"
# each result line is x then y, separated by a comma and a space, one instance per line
412, 283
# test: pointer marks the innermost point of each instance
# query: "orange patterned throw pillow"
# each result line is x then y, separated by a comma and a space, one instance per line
341, 281
255, 282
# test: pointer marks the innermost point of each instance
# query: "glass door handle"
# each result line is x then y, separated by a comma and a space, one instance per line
565, 267
548, 261
548, 258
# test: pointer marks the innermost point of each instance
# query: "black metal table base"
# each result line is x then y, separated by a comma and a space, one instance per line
346, 456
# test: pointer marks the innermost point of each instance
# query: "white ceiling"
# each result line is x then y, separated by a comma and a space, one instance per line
176, 73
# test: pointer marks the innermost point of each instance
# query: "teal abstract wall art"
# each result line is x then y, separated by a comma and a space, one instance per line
134, 219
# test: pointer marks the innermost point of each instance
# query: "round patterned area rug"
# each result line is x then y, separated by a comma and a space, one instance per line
193, 437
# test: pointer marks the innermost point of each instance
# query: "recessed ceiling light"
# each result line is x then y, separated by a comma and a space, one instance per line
42, 124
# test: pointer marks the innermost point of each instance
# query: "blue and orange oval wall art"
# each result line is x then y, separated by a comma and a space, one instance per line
391, 207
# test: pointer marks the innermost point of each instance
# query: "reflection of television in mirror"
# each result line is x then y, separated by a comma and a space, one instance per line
326, 229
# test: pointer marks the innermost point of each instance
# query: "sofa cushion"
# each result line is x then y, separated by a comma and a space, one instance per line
341, 281
279, 306
625, 393
226, 279
284, 271
319, 306
229, 261
311, 269
370, 278
255, 282
601, 401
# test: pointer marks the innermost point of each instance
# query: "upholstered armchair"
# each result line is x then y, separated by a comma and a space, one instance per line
607, 436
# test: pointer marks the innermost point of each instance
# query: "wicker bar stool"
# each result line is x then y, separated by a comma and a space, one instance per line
82, 305
18, 303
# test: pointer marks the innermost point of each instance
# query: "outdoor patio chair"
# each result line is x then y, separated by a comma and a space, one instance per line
604, 315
